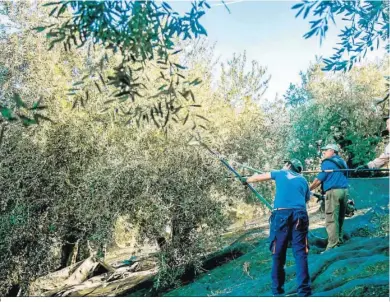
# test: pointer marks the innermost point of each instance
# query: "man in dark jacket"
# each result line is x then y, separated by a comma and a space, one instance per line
289, 222
335, 186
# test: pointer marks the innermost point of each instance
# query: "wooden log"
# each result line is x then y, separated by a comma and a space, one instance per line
52, 281
82, 272
69, 276
90, 283
106, 266
81, 277
73, 255
97, 287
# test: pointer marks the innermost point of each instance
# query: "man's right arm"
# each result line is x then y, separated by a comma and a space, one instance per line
321, 177
258, 178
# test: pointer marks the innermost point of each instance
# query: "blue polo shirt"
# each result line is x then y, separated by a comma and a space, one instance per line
334, 180
292, 189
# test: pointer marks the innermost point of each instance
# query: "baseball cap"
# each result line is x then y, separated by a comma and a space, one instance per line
331, 146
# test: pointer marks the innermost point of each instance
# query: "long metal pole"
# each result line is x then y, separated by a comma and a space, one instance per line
226, 164
346, 170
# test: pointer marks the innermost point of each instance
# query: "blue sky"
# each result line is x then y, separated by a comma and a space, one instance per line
270, 34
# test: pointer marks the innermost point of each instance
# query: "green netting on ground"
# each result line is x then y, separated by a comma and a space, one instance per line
367, 192
360, 267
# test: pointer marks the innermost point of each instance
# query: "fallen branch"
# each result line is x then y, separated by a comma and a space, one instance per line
93, 277
73, 255
82, 272
52, 281
102, 288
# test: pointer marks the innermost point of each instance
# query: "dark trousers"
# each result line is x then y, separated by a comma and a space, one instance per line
289, 225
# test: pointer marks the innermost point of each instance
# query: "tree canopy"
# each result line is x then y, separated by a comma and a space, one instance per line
367, 28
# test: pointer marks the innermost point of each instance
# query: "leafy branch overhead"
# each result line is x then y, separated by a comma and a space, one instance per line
143, 35
22, 112
367, 27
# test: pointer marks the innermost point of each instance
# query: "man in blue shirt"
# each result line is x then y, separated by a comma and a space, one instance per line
335, 186
289, 222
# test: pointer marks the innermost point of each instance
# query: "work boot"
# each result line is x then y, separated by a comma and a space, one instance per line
279, 294
329, 249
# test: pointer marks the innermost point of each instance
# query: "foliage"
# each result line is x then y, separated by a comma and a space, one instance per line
356, 125
137, 27
3, 28
15, 109
20, 111
237, 84
82, 178
70, 181
298, 94
142, 35
367, 27
22, 97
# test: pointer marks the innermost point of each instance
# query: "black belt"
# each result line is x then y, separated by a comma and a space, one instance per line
280, 209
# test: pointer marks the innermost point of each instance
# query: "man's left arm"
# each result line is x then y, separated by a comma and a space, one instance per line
379, 162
